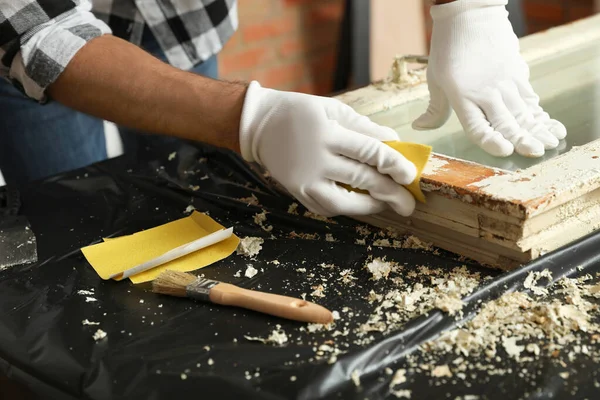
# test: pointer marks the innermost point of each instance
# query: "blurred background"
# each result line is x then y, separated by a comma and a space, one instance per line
326, 46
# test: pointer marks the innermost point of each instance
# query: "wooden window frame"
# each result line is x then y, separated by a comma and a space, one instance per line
469, 210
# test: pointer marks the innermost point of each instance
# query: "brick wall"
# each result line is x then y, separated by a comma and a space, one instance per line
544, 14
285, 44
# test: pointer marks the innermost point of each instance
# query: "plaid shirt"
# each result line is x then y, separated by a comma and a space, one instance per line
38, 38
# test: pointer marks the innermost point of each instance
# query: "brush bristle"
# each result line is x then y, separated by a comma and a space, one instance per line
172, 283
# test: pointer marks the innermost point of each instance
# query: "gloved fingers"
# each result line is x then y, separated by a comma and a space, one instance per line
502, 120
532, 100
370, 151
536, 127
339, 201
380, 187
437, 112
479, 131
345, 115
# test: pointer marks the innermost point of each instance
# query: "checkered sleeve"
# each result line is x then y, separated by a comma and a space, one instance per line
38, 38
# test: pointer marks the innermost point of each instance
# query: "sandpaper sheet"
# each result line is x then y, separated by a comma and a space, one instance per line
116, 255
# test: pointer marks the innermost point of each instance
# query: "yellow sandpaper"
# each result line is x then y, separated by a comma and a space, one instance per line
118, 254
416, 153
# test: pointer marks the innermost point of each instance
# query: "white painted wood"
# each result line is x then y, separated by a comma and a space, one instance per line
499, 217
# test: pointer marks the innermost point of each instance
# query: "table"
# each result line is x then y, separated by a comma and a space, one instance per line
159, 347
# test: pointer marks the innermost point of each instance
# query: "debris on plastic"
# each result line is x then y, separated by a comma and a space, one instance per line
99, 335
277, 337
250, 246
251, 201
250, 271
380, 268
260, 219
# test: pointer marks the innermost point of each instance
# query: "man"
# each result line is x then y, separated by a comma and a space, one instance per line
59, 50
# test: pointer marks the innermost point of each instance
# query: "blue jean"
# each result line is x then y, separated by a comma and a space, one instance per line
38, 141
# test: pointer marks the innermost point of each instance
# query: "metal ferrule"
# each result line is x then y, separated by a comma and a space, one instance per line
200, 289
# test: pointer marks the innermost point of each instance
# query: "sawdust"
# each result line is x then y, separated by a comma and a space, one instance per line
409, 301
251, 201
250, 246
260, 219
277, 337
552, 323
293, 209
305, 236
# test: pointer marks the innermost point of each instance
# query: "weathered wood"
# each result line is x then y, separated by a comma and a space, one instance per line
498, 217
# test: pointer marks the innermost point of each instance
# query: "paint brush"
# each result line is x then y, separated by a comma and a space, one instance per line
183, 284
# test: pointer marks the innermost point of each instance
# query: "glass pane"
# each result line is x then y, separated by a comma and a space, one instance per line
569, 87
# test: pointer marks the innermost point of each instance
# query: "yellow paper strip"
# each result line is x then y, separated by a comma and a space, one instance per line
118, 254
416, 153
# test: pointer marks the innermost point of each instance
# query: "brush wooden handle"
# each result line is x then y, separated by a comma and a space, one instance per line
272, 304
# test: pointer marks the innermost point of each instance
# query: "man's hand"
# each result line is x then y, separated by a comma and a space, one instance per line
475, 68
308, 143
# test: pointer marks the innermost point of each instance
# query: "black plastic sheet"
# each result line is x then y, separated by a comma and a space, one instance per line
152, 340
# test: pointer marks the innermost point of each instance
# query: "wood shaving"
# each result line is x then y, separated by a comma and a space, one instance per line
250, 246
516, 317
308, 214
413, 242
399, 378
401, 393
380, 268
532, 280
318, 291
172, 155
250, 272
347, 277
363, 230
277, 337
355, 378
90, 299
260, 219
450, 303
441, 371
329, 238
85, 292
99, 335
407, 302
251, 201
305, 236
189, 209
88, 322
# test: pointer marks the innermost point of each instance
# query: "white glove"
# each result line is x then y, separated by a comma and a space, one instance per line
476, 68
308, 143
